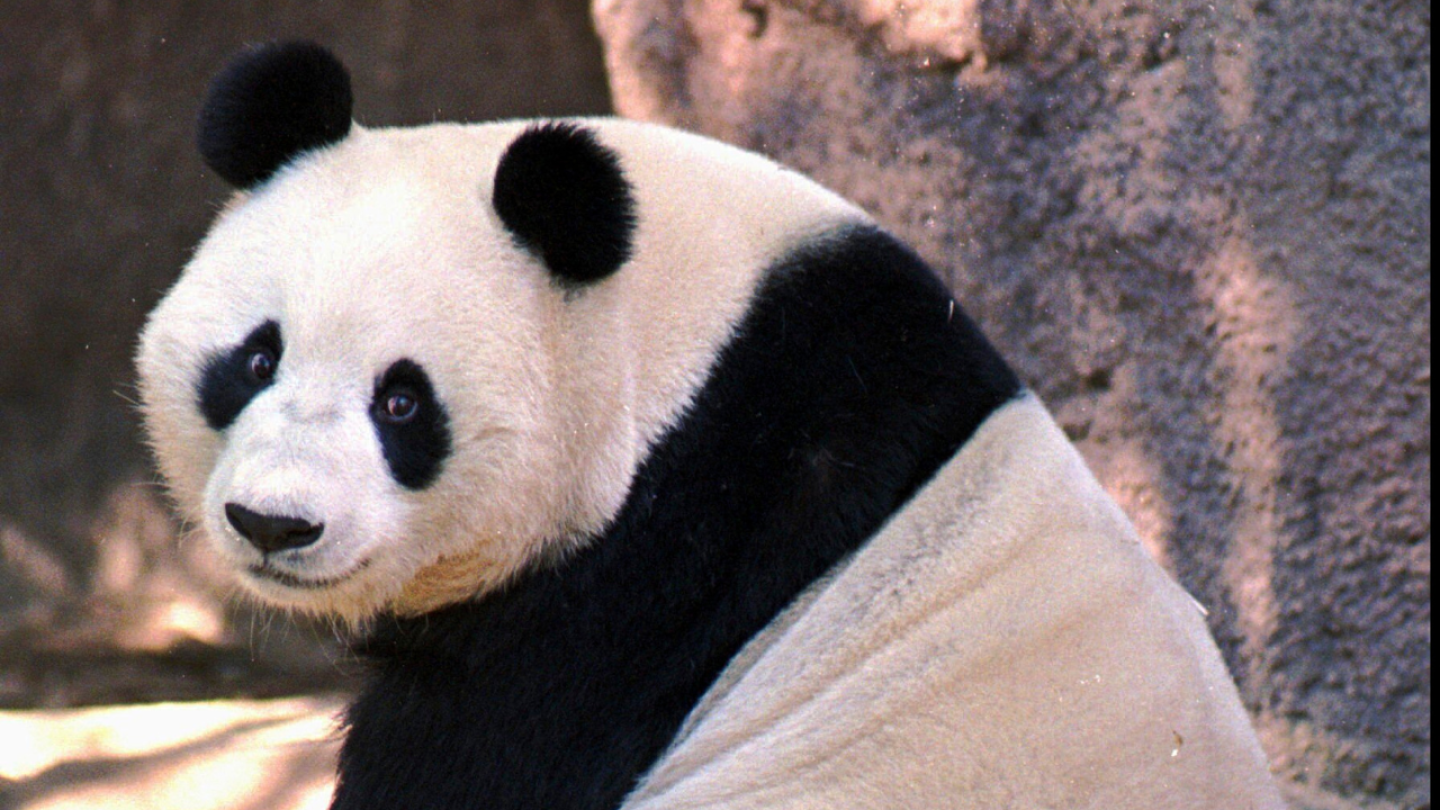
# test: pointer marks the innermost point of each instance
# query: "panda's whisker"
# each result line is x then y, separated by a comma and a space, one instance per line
189, 531
267, 628
250, 639
133, 402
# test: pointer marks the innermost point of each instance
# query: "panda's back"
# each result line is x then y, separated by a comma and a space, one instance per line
970, 688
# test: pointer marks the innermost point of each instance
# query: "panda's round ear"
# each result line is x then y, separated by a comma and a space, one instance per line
270, 104
564, 197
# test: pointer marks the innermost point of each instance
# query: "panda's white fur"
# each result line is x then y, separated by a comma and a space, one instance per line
381, 247
1004, 642
1001, 641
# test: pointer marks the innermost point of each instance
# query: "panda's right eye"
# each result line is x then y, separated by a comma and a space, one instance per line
260, 368
232, 379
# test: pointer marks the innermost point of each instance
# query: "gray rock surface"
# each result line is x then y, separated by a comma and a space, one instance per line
1201, 230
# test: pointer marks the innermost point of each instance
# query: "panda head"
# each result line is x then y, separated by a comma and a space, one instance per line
394, 374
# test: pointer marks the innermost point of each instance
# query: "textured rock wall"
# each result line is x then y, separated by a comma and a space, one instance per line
1202, 231
101, 200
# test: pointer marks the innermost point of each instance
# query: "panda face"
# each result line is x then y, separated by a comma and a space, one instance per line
372, 408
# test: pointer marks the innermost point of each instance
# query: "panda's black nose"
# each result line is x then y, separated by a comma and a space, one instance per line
270, 533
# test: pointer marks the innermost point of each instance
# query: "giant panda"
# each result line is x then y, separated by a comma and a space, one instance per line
648, 474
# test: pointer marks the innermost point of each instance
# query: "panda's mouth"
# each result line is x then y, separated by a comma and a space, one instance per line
268, 572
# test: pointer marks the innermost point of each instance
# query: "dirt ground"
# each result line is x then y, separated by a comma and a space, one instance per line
208, 755
231, 754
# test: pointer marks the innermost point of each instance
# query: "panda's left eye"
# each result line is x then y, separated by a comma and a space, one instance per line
261, 366
398, 407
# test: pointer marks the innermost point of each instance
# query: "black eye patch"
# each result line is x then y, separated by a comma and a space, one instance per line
412, 424
231, 380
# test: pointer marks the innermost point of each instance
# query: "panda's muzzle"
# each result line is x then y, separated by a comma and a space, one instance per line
271, 533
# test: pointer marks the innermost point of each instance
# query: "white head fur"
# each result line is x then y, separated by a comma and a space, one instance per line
384, 246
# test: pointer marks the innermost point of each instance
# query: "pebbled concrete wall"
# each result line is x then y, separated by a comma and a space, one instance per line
1201, 230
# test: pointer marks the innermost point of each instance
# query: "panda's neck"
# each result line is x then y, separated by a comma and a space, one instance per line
851, 380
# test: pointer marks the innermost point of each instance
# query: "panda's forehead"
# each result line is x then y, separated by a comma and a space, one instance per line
357, 263
329, 280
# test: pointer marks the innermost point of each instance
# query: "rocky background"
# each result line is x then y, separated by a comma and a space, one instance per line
1200, 229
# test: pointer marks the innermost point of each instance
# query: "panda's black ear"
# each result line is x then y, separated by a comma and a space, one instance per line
564, 197
270, 104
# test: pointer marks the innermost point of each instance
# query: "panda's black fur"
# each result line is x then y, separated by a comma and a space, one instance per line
564, 197
270, 104
415, 449
227, 385
850, 382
